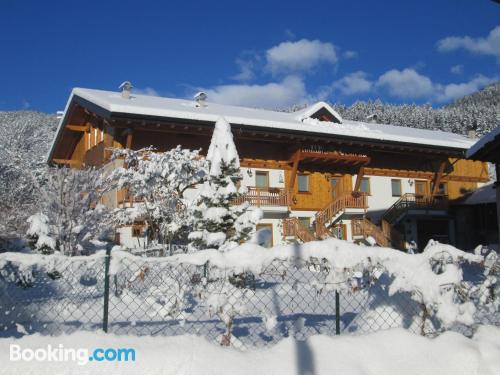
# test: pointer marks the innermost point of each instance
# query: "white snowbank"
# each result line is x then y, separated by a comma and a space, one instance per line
410, 272
392, 352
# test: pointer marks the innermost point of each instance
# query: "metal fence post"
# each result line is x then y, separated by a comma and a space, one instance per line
337, 313
107, 261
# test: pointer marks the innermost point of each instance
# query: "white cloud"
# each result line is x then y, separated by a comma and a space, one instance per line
350, 54
299, 56
270, 95
406, 83
409, 84
452, 91
483, 46
457, 69
354, 83
246, 70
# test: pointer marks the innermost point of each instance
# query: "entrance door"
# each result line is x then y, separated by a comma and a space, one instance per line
335, 187
340, 231
421, 188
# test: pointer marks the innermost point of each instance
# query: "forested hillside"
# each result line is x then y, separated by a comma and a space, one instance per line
479, 111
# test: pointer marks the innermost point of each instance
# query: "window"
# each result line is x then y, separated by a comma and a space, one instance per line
137, 230
262, 179
303, 183
365, 185
305, 221
396, 187
265, 235
421, 188
443, 188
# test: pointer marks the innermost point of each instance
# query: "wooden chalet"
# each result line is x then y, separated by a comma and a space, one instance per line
313, 173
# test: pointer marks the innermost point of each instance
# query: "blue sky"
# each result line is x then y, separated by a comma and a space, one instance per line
256, 53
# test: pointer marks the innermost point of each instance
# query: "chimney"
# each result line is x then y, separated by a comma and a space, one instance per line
201, 99
471, 133
126, 88
373, 118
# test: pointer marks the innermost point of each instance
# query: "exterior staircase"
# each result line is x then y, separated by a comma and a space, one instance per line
329, 214
293, 228
385, 235
411, 201
335, 209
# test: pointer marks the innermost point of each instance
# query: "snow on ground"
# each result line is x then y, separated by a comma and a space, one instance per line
391, 352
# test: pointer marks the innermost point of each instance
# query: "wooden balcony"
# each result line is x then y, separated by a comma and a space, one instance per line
411, 201
125, 199
265, 197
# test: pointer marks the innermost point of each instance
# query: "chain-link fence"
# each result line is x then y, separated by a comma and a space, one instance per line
154, 296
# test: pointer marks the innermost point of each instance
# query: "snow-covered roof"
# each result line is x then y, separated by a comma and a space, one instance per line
489, 137
296, 121
311, 110
485, 194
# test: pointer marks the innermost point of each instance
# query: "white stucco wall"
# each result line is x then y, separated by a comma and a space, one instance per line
380, 198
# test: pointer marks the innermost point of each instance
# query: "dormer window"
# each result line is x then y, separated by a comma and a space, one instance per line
320, 111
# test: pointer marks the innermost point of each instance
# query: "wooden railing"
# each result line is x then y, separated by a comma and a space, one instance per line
395, 236
335, 207
411, 201
293, 227
265, 197
124, 197
364, 227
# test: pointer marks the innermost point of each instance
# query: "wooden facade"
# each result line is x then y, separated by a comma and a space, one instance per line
333, 166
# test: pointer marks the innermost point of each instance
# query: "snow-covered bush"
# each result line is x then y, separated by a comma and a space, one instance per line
217, 222
158, 180
71, 219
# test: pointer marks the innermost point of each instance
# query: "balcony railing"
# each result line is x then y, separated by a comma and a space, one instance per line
265, 197
411, 201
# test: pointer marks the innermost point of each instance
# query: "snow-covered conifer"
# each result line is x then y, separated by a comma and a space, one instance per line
216, 221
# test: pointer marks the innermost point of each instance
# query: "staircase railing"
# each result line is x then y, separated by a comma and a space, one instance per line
364, 227
335, 207
414, 201
396, 238
293, 227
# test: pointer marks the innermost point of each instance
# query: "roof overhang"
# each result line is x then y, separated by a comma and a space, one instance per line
487, 148
305, 134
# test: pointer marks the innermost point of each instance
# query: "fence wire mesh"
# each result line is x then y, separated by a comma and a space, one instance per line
153, 296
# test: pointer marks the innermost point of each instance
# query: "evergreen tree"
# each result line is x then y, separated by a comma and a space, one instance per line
216, 221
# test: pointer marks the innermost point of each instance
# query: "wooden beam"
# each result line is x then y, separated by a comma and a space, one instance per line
108, 141
78, 128
67, 161
438, 177
260, 163
128, 143
359, 177
295, 167
422, 175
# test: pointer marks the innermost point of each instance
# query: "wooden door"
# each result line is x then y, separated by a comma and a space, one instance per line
421, 188
340, 231
335, 187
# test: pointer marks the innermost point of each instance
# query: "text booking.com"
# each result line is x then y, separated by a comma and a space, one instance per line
81, 356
